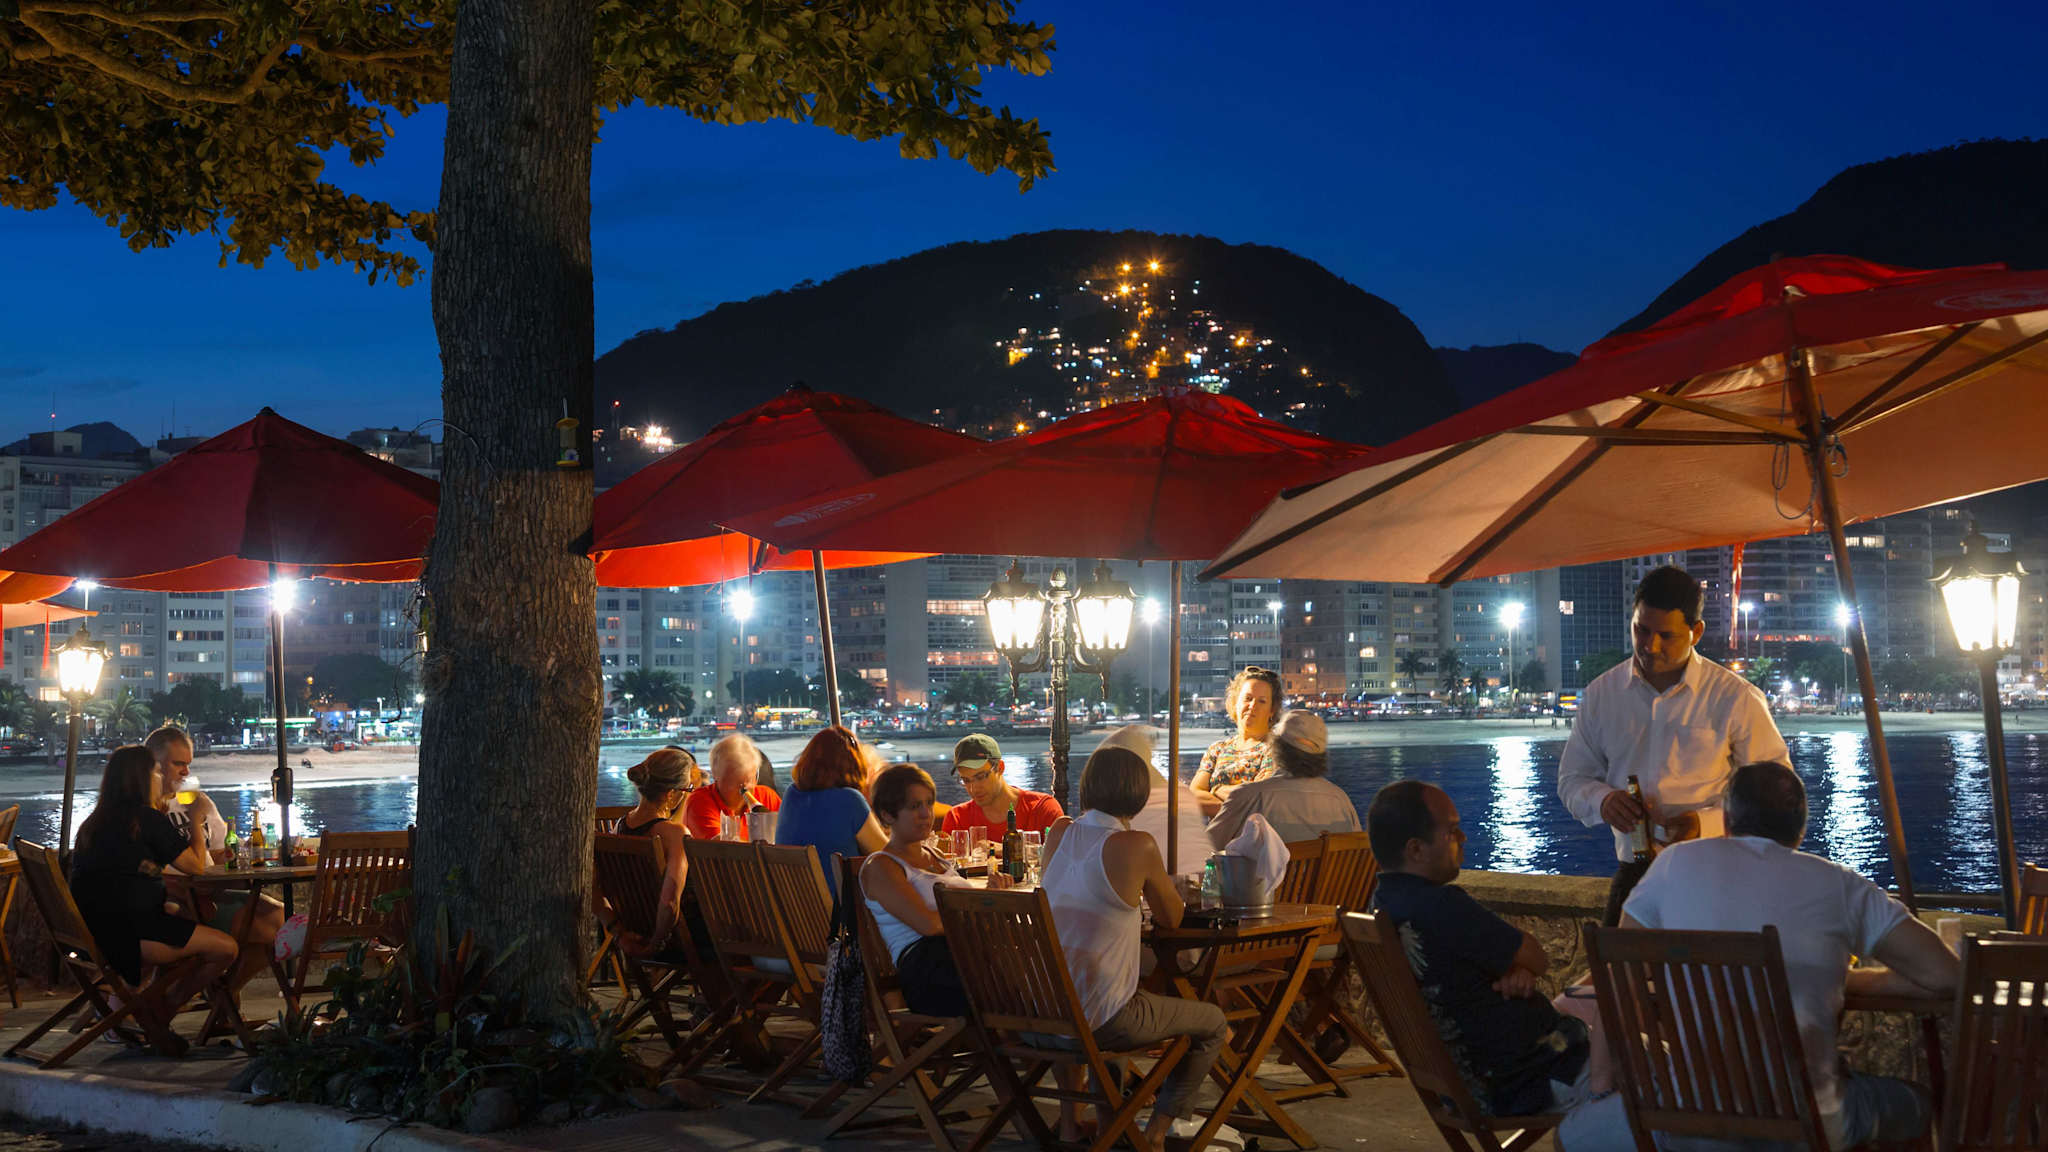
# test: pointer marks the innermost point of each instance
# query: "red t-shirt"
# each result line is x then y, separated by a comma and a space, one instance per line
702, 810
1036, 812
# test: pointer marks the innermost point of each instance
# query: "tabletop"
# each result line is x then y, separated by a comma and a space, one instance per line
221, 877
1277, 920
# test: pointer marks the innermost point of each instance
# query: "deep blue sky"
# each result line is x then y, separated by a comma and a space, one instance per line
1500, 172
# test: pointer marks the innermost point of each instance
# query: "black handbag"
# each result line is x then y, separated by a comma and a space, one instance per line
842, 1015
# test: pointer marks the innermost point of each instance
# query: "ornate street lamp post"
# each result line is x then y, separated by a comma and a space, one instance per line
1981, 590
1055, 629
78, 676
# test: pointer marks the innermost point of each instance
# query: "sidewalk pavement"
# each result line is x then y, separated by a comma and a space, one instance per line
110, 1089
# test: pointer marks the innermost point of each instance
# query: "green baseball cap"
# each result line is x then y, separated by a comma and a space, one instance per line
978, 748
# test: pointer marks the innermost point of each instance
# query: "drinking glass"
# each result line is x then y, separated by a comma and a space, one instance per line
1033, 843
959, 842
728, 827
977, 845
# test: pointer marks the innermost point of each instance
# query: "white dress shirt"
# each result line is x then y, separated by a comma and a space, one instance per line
1681, 744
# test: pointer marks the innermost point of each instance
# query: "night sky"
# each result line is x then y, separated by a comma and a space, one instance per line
1499, 172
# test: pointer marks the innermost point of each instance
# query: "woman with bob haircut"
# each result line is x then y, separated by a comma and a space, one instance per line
1097, 870
117, 878
897, 884
824, 809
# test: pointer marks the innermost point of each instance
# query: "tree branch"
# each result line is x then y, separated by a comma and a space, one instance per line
130, 19
65, 42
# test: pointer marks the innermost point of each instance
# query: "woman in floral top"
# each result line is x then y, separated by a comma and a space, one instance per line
1244, 756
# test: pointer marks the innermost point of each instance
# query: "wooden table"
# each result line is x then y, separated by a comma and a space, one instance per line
226, 1015
1931, 1010
1282, 942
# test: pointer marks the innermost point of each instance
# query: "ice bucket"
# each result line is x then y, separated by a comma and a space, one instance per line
1237, 878
761, 826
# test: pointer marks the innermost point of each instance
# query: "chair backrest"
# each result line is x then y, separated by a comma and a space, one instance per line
1008, 955
52, 894
355, 871
628, 875
2033, 901
8, 816
1376, 951
874, 951
732, 892
1704, 1035
1998, 1086
609, 815
1304, 864
798, 887
1348, 871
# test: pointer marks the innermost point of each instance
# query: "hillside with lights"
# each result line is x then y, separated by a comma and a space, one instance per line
999, 337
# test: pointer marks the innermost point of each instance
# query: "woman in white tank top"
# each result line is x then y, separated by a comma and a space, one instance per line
897, 887
1097, 872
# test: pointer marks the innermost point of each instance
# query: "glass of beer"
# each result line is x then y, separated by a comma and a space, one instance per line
188, 790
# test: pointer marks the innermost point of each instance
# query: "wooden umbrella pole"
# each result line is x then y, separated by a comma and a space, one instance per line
825, 635
1173, 727
1815, 445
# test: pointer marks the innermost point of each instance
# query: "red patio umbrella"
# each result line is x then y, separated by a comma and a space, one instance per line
1806, 394
241, 510
662, 527
1169, 477
37, 613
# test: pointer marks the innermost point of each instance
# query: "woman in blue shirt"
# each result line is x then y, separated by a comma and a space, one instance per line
824, 809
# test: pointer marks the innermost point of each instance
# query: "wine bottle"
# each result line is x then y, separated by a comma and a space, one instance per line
1014, 863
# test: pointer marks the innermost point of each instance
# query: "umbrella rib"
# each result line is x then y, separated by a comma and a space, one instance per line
1934, 388
1759, 423
1854, 412
1640, 436
1338, 509
1585, 457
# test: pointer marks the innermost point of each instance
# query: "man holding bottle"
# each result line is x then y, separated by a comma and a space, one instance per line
1674, 720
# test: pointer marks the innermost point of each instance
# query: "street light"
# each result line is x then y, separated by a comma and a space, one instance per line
79, 663
1511, 615
1843, 616
1747, 607
1151, 613
742, 604
1981, 590
1055, 628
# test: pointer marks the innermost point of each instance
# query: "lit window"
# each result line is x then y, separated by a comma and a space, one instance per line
1368, 652
1564, 607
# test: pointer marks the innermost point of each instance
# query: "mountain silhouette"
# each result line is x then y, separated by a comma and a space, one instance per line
922, 335
1976, 203
1484, 371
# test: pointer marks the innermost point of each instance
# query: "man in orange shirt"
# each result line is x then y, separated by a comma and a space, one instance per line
733, 791
978, 762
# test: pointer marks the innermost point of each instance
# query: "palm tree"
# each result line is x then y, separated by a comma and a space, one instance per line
654, 689
17, 707
126, 714
1412, 664
1448, 666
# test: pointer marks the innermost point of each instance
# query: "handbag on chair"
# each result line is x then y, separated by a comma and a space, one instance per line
842, 1017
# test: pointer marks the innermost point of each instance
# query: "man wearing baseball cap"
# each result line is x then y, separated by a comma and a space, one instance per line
1299, 801
978, 762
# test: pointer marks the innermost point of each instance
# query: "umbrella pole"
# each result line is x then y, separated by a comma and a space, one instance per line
1815, 446
825, 635
281, 777
1173, 728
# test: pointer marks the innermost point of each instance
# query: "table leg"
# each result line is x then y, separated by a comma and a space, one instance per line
1239, 1071
226, 1013
1930, 1036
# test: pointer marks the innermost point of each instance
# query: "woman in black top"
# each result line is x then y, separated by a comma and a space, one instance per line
117, 878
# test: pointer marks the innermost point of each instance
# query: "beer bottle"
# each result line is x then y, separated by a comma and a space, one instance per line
1013, 848
234, 850
1639, 839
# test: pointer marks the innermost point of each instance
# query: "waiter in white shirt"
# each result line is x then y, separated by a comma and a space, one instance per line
1675, 720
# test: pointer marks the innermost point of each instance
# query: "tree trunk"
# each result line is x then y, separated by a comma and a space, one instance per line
508, 752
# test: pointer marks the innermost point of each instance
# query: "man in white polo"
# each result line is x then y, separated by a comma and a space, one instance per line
1670, 717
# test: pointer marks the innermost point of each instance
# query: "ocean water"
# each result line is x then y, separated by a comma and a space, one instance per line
1506, 791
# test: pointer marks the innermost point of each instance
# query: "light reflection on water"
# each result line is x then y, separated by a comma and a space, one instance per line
1506, 791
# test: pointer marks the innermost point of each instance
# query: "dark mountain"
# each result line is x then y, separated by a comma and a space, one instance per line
100, 441
1482, 371
924, 335
1976, 203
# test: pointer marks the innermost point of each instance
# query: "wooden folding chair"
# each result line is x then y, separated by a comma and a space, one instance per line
1703, 1033
100, 987
605, 957
357, 878
796, 886
1017, 983
10, 878
1998, 1094
629, 875
1374, 945
2033, 901
746, 930
1345, 880
907, 1045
